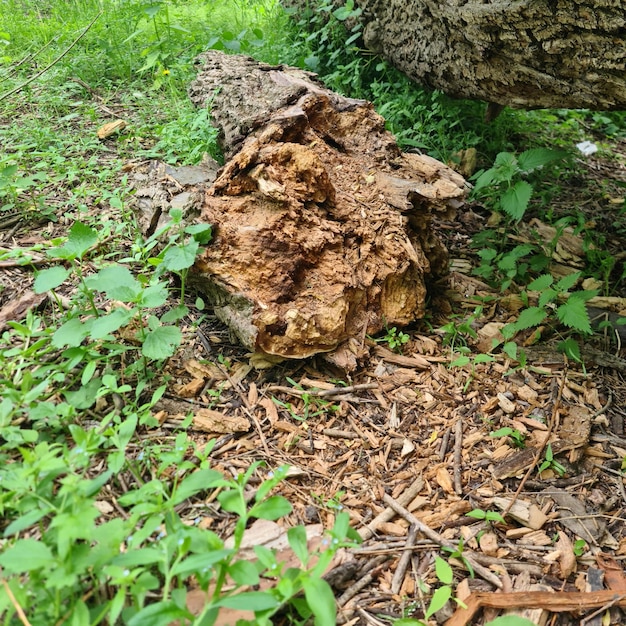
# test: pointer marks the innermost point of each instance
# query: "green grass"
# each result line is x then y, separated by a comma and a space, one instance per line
75, 398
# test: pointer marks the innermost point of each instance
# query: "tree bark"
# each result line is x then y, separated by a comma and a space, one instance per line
322, 227
520, 53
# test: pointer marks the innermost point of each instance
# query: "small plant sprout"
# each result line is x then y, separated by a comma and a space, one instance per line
516, 437
394, 338
488, 516
551, 463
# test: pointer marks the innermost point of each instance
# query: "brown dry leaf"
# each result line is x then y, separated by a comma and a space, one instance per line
15, 309
270, 410
203, 370
444, 480
613, 574
566, 556
106, 130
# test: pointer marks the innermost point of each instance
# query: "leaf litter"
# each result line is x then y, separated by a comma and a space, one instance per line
405, 446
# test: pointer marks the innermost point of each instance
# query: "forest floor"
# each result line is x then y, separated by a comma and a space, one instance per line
408, 445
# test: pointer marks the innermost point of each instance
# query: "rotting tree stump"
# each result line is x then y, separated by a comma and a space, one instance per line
322, 227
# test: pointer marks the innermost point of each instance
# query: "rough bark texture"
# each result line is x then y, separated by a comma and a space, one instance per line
322, 227
524, 53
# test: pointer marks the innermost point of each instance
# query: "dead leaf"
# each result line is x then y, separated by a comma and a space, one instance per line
109, 129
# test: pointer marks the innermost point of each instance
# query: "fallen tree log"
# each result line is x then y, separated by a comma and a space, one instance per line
322, 227
522, 53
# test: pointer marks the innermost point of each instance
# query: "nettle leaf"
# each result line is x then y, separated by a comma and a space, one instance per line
514, 201
542, 282
536, 157
178, 258
271, 509
81, 238
50, 278
567, 282
162, 342
546, 296
573, 313
26, 555
530, 317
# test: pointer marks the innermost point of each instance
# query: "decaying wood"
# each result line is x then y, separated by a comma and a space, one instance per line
322, 226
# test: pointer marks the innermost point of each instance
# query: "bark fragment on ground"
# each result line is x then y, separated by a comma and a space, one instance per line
322, 226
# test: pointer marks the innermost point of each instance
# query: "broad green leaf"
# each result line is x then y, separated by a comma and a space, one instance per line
81, 238
26, 555
202, 233
71, 334
192, 484
175, 314
109, 323
162, 342
461, 361
179, 258
50, 278
117, 282
153, 296
244, 573
536, 157
439, 600
160, 614
298, 542
484, 358
142, 556
25, 521
321, 600
573, 313
514, 201
232, 501
477, 514
542, 282
200, 563
271, 509
443, 571
530, 317
250, 601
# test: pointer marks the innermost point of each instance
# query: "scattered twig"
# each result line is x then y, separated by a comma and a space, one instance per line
16, 605
405, 498
483, 572
405, 559
53, 63
555, 602
544, 444
340, 434
365, 579
458, 447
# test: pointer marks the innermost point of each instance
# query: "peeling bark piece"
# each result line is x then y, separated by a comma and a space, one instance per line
322, 227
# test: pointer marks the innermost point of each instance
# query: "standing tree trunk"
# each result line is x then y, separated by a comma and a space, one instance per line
322, 227
520, 53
